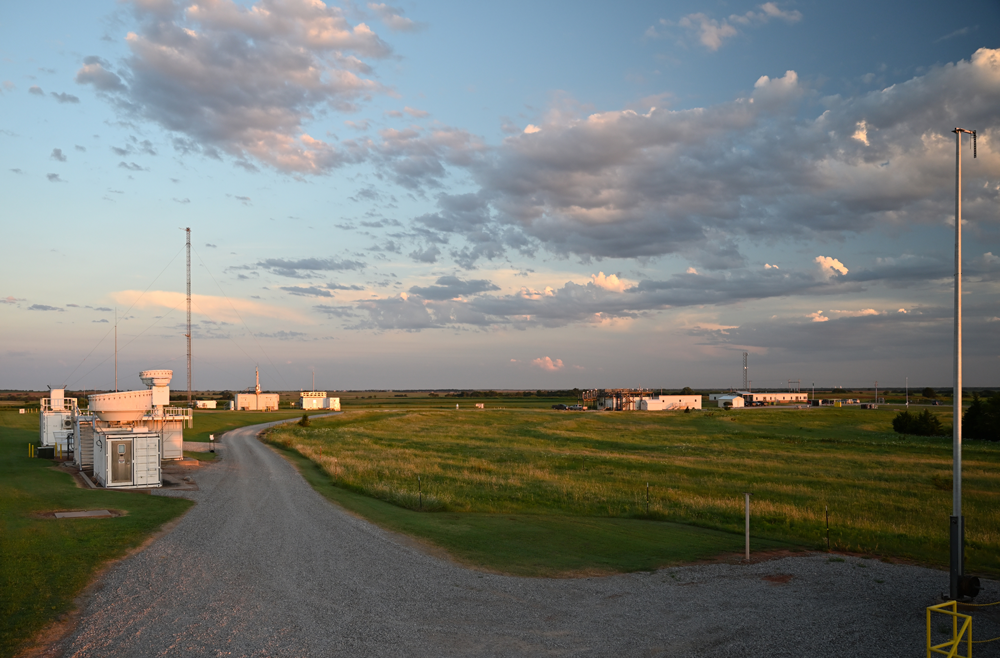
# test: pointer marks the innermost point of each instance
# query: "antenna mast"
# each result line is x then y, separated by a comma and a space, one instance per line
959, 584
745, 388
188, 334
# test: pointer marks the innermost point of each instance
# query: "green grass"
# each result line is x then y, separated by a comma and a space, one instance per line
217, 422
535, 544
45, 563
889, 495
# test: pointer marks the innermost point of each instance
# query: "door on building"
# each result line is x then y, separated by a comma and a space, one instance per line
121, 462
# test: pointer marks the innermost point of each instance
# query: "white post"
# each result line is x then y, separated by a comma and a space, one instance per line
746, 496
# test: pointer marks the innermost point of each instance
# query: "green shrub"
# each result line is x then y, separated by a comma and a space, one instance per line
923, 424
305, 421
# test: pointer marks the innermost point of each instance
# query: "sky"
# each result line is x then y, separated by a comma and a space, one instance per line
497, 195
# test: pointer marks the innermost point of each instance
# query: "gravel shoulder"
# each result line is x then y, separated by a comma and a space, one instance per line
264, 566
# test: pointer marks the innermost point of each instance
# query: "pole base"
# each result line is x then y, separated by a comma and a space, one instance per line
957, 562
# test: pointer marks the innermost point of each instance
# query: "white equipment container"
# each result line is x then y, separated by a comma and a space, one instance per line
126, 460
56, 419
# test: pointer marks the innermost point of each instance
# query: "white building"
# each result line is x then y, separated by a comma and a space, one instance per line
729, 401
127, 434
56, 419
774, 398
256, 401
317, 400
668, 402
204, 404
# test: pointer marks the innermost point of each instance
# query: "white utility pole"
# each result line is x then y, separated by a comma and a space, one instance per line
957, 526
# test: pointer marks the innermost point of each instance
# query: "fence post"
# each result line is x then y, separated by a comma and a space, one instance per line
827, 527
746, 496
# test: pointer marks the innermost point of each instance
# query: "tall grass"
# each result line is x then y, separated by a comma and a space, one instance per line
888, 494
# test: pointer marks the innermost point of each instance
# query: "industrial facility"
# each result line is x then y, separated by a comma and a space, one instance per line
124, 436
317, 400
629, 399
256, 401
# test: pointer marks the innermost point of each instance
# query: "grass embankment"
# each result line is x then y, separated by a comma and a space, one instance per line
888, 494
46, 562
218, 422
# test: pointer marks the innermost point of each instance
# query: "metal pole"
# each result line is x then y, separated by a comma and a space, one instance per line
827, 527
957, 523
188, 231
746, 496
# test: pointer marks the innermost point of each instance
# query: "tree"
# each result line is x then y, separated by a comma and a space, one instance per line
923, 424
982, 419
305, 421
687, 390
929, 393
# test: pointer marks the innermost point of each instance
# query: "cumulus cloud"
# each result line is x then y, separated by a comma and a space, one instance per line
243, 80
610, 282
36, 90
393, 18
696, 182
10, 300
829, 267
45, 307
546, 363
54, 178
712, 33
57, 154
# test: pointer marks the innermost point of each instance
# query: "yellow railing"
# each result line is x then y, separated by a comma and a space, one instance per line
950, 648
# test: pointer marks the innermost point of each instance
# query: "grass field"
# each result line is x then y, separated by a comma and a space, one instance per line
45, 562
888, 495
217, 422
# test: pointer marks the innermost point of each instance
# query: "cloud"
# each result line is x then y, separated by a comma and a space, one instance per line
450, 287
393, 19
306, 266
54, 178
216, 308
131, 166
546, 363
310, 291
415, 113
57, 154
611, 282
698, 182
44, 307
36, 90
712, 33
10, 300
336, 311
65, 98
818, 317
829, 267
768, 266
228, 78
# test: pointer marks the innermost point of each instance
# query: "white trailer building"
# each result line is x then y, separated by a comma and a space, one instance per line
668, 402
56, 419
317, 400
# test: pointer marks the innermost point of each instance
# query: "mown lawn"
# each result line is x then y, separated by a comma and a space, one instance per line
45, 562
888, 495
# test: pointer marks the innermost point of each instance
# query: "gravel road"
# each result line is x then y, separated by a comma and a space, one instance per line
264, 566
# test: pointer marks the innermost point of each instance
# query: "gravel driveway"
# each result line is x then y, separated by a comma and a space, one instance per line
264, 566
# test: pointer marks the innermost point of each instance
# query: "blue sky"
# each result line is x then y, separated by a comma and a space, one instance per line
525, 195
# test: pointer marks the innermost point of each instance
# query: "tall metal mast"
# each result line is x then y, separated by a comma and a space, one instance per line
957, 525
745, 371
188, 334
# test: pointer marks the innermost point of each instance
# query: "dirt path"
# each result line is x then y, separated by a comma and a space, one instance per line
264, 566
